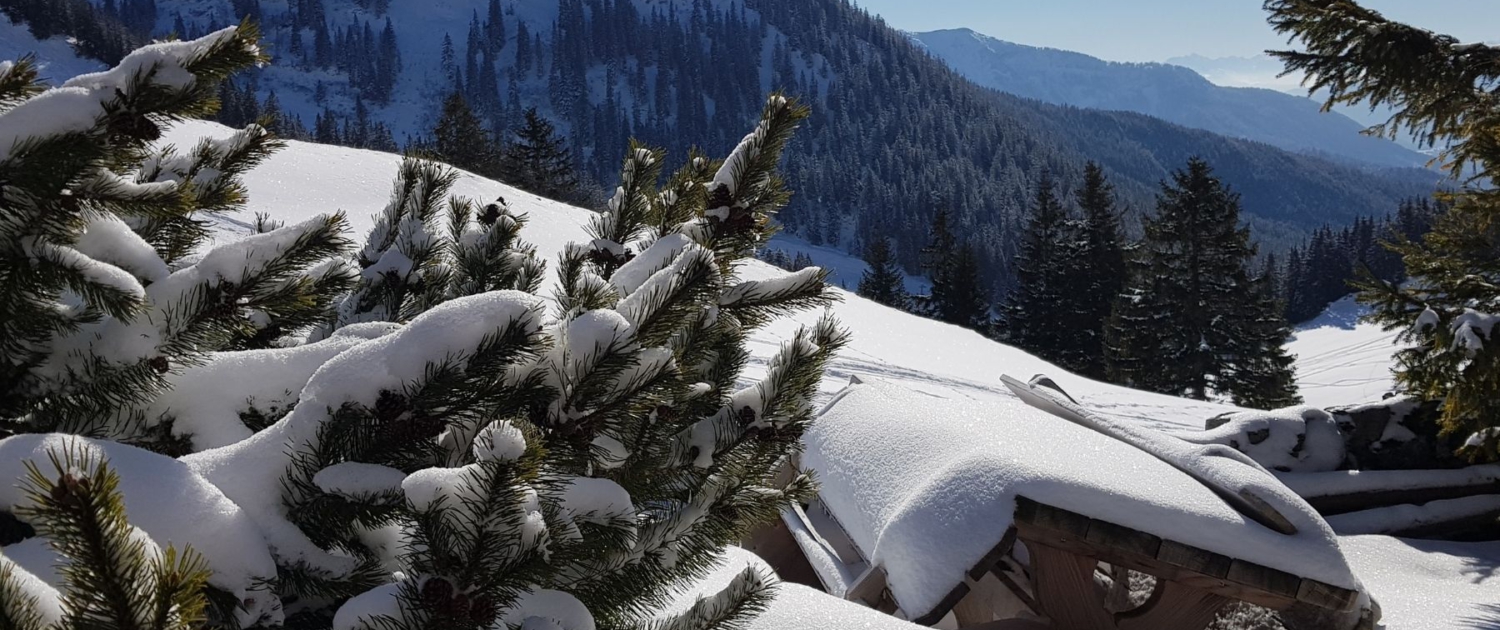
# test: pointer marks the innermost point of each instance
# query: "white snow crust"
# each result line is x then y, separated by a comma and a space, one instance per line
1429, 585
927, 487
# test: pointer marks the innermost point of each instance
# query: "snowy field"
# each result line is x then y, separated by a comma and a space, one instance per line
1421, 586
930, 357
1342, 361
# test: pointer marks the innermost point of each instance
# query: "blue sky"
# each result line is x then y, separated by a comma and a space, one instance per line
1153, 30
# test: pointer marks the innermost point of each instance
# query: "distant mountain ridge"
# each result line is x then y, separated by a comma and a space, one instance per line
895, 134
1173, 93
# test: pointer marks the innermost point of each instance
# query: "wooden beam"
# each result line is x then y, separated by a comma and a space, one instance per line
1040, 524
1066, 590
1357, 501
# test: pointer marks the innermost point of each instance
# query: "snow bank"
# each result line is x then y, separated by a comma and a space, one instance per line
795, 607
249, 471
1357, 481
1298, 439
170, 504
304, 180
1399, 518
927, 487
206, 401
1429, 585
1342, 361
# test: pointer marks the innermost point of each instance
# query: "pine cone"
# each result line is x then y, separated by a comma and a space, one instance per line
483, 611
436, 592
160, 365
746, 416
491, 214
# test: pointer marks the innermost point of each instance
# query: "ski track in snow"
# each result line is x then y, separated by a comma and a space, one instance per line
1342, 361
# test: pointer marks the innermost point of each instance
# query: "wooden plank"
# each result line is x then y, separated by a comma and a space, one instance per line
941, 610
1174, 606
867, 588
1066, 590
1320, 595
995, 555
1454, 529
1193, 559
1016, 589
1042, 515
1279, 584
1122, 539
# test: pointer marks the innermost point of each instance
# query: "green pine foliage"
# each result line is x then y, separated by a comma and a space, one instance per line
958, 295
1443, 92
538, 161
111, 579
884, 282
1035, 310
1096, 273
1191, 321
460, 139
100, 303
457, 456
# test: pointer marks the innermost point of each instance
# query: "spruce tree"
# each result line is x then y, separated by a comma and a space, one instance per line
1035, 310
461, 140
884, 281
539, 161
1445, 93
1191, 321
958, 296
1096, 273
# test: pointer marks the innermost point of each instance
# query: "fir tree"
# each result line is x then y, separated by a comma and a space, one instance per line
1035, 310
1191, 321
1443, 92
1095, 273
461, 140
884, 281
957, 295
539, 161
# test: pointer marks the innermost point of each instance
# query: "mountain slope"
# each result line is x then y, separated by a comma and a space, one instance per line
895, 133
1170, 92
936, 359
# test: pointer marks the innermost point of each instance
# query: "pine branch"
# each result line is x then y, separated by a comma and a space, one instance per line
112, 580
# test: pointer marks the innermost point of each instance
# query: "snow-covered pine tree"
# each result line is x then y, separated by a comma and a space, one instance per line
1191, 318
485, 465
1445, 93
112, 578
409, 265
1036, 309
98, 306
884, 282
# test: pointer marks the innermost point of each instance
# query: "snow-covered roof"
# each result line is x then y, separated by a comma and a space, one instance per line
926, 487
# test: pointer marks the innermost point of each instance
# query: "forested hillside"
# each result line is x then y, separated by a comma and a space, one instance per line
895, 135
1172, 93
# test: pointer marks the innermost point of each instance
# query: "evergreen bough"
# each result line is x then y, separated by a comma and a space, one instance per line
420, 441
1442, 91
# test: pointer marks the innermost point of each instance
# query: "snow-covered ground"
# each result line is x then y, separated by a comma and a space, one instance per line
844, 269
1446, 586
930, 357
1428, 585
1341, 360
55, 57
